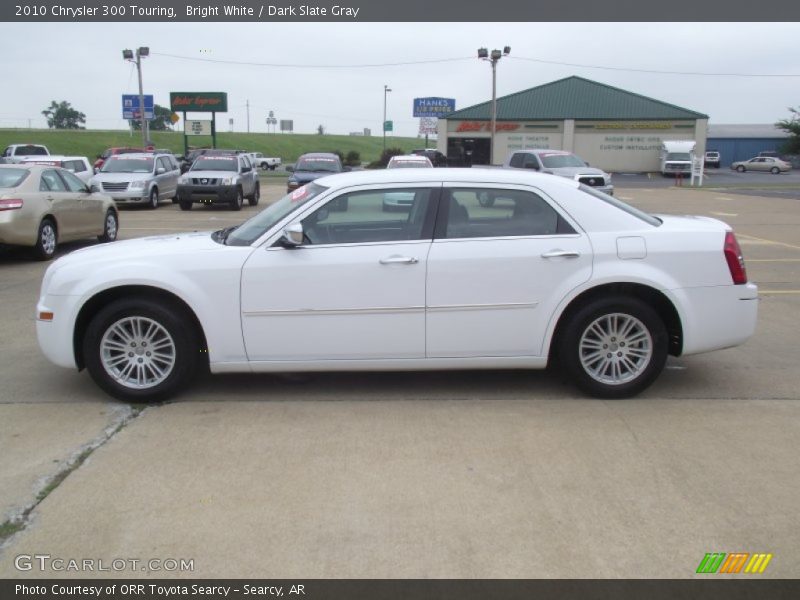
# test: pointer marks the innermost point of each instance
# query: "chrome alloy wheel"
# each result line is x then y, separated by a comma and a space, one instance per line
615, 348
137, 352
48, 239
111, 226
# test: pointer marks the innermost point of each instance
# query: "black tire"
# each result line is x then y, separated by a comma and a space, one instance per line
110, 227
153, 198
272, 167
186, 204
741, 169
775, 171
253, 200
46, 240
238, 201
173, 328
645, 348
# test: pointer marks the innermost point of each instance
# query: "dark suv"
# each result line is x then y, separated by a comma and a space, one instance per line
437, 158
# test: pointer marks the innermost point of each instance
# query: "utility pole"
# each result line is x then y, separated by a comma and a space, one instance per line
128, 55
248, 116
493, 58
386, 89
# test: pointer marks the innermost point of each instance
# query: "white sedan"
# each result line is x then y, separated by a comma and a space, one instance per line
552, 271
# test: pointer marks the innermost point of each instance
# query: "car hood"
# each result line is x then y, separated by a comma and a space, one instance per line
306, 176
210, 174
120, 177
571, 172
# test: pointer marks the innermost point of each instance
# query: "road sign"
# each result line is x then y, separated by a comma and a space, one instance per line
434, 107
132, 110
174, 118
388, 126
198, 127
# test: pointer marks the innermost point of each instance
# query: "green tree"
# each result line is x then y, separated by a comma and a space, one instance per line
161, 119
61, 115
353, 159
791, 126
320, 130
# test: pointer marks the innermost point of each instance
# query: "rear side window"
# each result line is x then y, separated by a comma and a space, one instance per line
52, 182
478, 213
517, 160
639, 214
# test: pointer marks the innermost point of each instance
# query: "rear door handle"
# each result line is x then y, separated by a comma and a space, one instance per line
561, 254
399, 260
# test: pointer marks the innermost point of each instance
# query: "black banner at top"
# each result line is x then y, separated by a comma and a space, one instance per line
398, 11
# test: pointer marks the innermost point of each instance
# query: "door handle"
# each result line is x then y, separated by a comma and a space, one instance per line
561, 254
399, 260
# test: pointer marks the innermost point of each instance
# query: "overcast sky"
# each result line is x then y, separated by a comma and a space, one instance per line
82, 63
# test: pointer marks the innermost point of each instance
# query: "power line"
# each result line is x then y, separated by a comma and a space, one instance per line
299, 66
566, 64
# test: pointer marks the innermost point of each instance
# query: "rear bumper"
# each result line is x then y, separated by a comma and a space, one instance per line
717, 317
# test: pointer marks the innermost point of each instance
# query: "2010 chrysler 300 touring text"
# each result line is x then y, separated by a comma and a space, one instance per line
552, 269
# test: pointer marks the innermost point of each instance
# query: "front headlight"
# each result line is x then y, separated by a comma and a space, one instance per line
139, 185
227, 181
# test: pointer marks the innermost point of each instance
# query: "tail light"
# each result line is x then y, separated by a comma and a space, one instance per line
10, 203
733, 254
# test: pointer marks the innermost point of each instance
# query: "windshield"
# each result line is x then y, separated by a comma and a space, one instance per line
330, 165
10, 178
678, 156
215, 163
128, 165
254, 228
558, 161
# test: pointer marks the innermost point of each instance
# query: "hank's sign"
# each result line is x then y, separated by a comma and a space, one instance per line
198, 101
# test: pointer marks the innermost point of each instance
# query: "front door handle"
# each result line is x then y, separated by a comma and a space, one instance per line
399, 260
561, 254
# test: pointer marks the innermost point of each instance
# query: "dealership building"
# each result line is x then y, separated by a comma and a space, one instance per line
608, 127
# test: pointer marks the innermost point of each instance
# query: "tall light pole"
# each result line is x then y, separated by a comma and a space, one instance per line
493, 58
386, 90
141, 52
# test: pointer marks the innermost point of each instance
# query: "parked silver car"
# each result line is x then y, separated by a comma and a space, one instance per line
140, 178
562, 163
762, 163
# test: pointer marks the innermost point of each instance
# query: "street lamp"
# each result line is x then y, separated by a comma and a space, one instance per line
141, 52
386, 90
493, 58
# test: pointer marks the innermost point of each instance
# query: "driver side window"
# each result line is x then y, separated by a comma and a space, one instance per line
386, 215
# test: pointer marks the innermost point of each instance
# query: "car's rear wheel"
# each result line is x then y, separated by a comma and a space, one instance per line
140, 350
740, 168
185, 205
110, 227
154, 198
775, 171
238, 201
253, 200
46, 240
614, 347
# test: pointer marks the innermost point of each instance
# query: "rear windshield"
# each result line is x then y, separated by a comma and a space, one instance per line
127, 165
639, 214
10, 178
30, 151
557, 161
405, 164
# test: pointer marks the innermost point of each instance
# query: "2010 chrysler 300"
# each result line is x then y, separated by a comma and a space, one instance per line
551, 270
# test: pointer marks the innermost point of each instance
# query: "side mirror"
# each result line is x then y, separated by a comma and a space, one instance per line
292, 235
160, 171
246, 169
290, 168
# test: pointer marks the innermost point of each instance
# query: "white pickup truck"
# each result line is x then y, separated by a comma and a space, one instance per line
265, 162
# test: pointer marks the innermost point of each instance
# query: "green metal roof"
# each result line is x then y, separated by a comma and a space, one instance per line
576, 98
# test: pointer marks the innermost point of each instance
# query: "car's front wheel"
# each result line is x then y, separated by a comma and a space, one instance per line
253, 200
154, 198
740, 168
614, 347
140, 350
185, 204
775, 171
238, 201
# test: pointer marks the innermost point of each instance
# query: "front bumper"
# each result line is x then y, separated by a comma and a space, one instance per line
129, 196
55, 336
207, 194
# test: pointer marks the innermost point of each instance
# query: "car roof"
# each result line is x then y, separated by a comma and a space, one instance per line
455, 175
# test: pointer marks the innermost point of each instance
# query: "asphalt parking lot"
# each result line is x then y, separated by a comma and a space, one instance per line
443, 475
